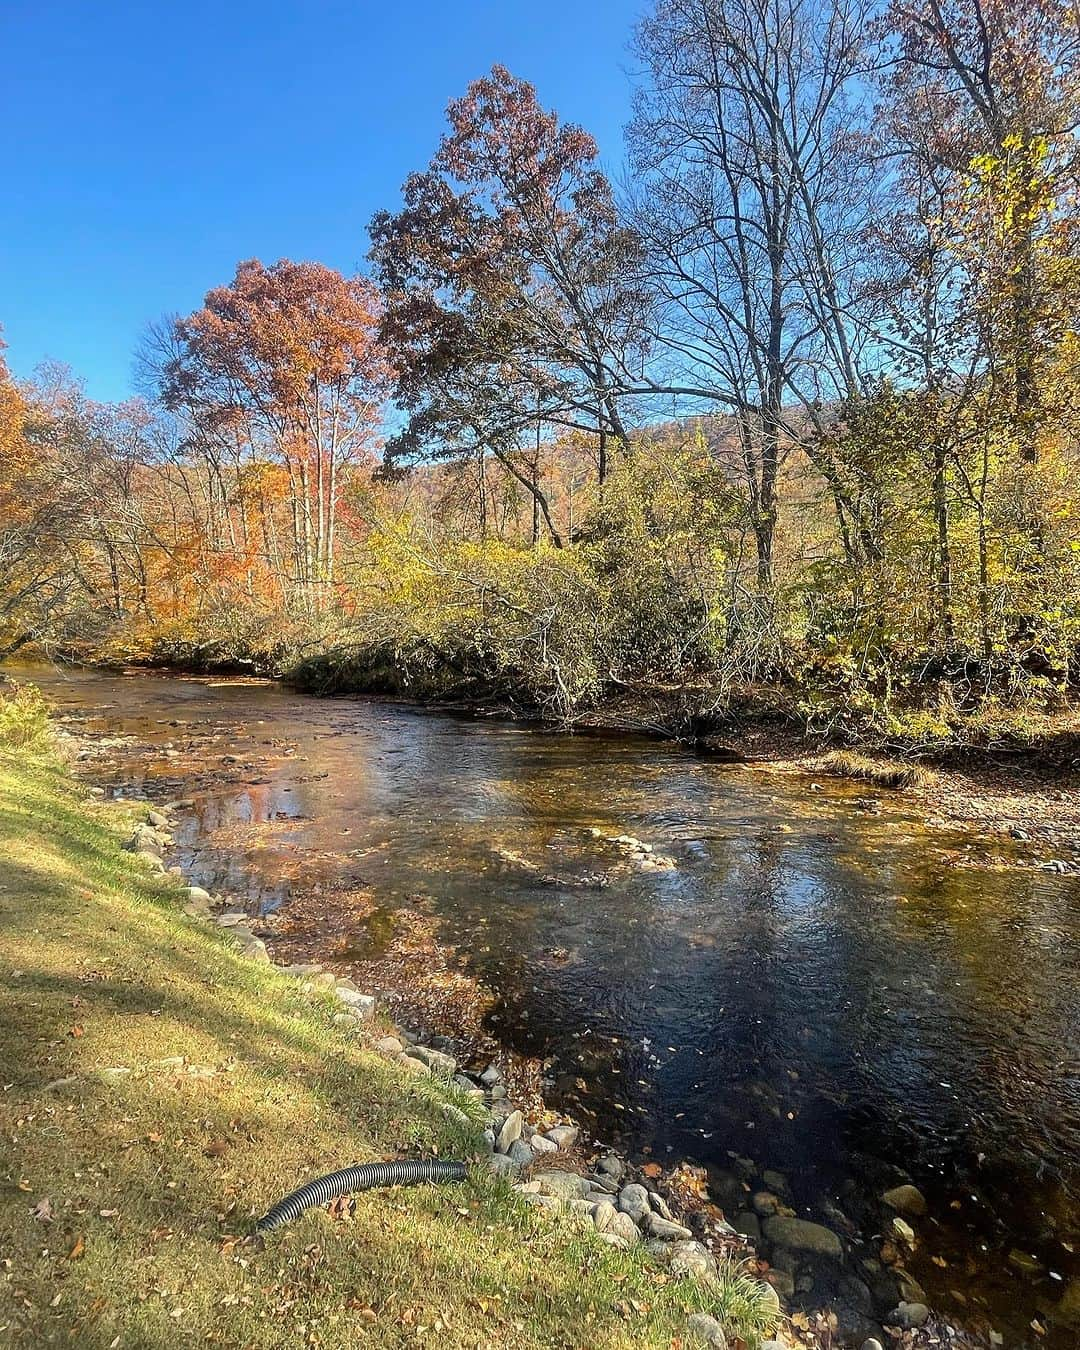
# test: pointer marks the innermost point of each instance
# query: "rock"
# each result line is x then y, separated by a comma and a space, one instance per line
156, 819
150, 860
503, 1166
345, 1020
612, 1166
786, 1261
1024, 1262
906, 1200
800, 1235
707, 1330
623, 1225
467, 1086
363, 1005
727, 1190
563, 1136
491, 1075
389, 1045
231, 918
664, 1228
634, 1200
436, 1060
660, 1205
872, 1343
781, 1281
749, 1225
488, 1137
509, 1131
197, 896
775, 1181
255, 950
908, 1315
764, 1203
904, 1231
541, 1144
911, 1291
1066, 1311
302, 970
604, 1213
691, 1258
520, 1152
416, 1067
614, 1240
566, 1185
498, 1092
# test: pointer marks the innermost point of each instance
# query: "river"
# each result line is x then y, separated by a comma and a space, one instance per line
795, 975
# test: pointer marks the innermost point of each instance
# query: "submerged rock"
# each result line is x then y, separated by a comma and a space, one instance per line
800, 1235
906, 1200
908, 1315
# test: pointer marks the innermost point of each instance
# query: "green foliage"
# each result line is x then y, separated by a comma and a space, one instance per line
24, 718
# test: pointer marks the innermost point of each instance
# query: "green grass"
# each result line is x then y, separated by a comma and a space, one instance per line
159, 1091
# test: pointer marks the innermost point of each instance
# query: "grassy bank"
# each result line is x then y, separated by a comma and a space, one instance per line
160, 1091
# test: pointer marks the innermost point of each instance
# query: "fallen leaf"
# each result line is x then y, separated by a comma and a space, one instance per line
77, 1250
43, 1210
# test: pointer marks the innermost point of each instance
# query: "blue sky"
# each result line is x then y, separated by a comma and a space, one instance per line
148, 147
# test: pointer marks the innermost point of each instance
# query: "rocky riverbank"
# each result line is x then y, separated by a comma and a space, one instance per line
827, 1284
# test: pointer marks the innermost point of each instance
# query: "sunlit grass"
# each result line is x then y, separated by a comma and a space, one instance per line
160, 1092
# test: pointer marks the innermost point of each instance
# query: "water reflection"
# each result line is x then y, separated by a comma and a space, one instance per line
813, 984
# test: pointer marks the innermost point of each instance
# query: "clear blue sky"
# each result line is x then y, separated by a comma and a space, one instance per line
148, 147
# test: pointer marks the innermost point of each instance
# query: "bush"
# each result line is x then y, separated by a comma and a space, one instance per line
24, 717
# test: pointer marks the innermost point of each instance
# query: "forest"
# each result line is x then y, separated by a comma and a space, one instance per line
781, 416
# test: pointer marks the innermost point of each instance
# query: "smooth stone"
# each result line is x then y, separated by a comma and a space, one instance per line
510, 1131
498, 1092
749, 1225
634, 1200
198, 896
501, 1165
692, 1258
614, 1240
416, 1067
491, 1075
436, 1060
664, 1228
389, 1045
541, 1144
872, 1343
801, 1235
707, 1330
908, 1315
613, 1166
520, 1152
563, 1136
906, 1200
231, 918
660, 1205
764, 1203
566, 1185
363, 1005
623, 1225
781, 1280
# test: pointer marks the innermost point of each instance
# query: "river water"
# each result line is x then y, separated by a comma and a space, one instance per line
795, 975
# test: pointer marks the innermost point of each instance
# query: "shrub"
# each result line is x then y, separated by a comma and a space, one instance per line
24, 717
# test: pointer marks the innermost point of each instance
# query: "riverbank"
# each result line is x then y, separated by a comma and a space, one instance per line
162, 1089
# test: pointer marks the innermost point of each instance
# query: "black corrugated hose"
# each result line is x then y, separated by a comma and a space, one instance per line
362, 1177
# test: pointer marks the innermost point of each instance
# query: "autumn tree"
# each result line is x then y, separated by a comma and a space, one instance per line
513, 306
285, 363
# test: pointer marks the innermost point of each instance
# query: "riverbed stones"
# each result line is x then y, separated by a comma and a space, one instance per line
510, 1131
566, 1185
800, 1235
664, 1228
520, 1152
541, 1144
693, 1259
611, 1165
748, 1224
781, 1280
436, 1060
707, 1331
907, 1200
491, 1075
634, 1200
389, 1045
908, 1315
563, 1136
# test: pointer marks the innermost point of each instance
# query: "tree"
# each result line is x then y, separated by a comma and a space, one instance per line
285, 363
750, 202
513, 308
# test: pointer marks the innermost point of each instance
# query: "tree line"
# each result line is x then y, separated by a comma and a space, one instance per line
791, 402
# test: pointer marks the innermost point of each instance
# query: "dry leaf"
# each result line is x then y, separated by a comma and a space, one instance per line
77, 1250
43, 1210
